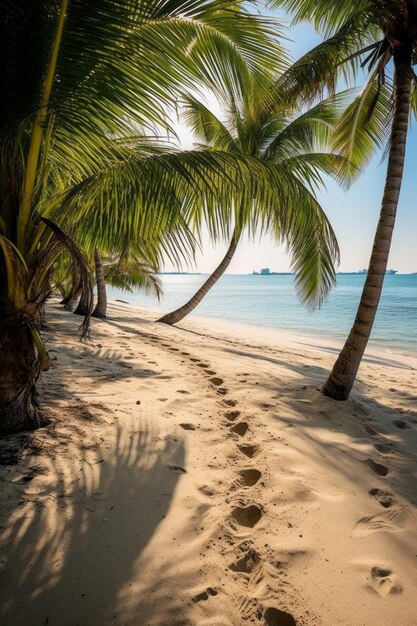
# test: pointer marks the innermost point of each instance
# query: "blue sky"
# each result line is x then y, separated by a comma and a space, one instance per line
353, 213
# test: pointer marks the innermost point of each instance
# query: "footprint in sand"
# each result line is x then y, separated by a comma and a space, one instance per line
206, 491
222, 391
384, 498
178, 469
240, 429
276, 617
400, 424
203, 365
194, 360
187, 426
384, 582
216, 381
210, 372
392, 520
378, 468
232, 415
249, 477
230, 403
384, 449
205, 595
246, 563
371, 431
247, 516
248, 450
183, 391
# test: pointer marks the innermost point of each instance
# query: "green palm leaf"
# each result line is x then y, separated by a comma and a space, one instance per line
363, 128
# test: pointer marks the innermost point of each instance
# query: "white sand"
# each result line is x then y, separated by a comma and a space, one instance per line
234, 493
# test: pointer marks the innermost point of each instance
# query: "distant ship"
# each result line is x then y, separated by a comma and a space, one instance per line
265, 271
365, 271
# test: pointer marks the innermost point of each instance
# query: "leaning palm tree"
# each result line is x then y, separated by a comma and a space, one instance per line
78, 79
295, 142
381, 35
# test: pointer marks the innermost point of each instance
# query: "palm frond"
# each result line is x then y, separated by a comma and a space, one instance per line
310, 129
15, 273
318, 71
206, 127
326, 15
82, 270
364, 126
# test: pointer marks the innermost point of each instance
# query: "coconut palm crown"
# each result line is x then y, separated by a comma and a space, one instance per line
256, 125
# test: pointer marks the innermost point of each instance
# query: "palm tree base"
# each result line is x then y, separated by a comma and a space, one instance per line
19, 372
72, 302
101, 316
334, 390
81, 310
167, 319
21, 414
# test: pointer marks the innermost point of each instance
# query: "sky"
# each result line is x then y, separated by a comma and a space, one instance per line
352, 213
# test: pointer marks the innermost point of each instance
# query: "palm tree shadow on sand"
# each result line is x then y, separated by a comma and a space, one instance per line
70, 548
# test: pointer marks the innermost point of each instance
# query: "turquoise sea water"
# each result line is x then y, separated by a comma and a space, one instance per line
271, 302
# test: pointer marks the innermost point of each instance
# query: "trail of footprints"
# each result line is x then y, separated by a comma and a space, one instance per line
244, 515
380, 580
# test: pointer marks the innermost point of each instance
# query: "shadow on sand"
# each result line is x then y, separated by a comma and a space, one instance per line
72, 535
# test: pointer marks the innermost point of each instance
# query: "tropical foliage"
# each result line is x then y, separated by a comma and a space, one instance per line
260, 124
378, 37
79, 80
130, 271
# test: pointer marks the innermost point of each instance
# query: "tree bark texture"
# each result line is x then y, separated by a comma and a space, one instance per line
19, 371
72, 303
101, 306
343, 375
66, 298
82, 308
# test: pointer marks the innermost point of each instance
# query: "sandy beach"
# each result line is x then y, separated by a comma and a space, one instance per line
194, 476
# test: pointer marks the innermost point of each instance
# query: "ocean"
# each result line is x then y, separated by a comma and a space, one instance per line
272, 302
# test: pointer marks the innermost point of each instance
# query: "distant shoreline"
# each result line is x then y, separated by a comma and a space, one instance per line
275, 274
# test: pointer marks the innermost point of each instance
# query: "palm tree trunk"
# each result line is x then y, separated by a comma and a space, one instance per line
179, 314
101, 306
82, 308
339, 384
72, 303
42, 317
19, 371
66, 298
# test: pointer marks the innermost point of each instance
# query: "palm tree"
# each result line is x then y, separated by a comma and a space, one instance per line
129, 271
278, 135
100, 310
382, 36
96, 71
188, 307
